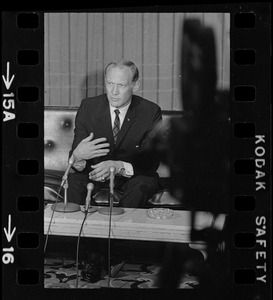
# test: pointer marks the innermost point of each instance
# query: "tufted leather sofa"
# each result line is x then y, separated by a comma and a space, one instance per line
58, 137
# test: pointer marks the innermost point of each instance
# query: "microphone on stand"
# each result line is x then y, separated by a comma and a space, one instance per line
112, 179
70, 164
66, 207
90, 187
111, 210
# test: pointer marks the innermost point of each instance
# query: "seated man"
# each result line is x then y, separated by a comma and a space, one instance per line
112, 130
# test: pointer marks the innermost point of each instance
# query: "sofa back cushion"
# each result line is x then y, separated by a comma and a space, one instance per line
58, 136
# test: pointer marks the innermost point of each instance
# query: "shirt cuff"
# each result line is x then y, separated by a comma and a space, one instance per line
128, 170
80, 164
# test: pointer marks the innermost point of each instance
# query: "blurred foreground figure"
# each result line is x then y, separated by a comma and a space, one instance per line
196, 149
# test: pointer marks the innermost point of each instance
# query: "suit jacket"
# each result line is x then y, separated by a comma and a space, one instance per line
133, 139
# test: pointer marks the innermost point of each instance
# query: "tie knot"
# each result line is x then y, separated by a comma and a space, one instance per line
117, 112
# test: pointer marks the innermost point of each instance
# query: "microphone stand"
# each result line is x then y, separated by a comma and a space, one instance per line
65, 207
111, 210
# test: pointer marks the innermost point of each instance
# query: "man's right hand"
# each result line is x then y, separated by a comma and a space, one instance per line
89, 148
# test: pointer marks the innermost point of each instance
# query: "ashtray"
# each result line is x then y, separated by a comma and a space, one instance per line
160, 213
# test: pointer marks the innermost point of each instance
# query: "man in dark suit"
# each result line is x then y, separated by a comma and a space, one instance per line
112, 130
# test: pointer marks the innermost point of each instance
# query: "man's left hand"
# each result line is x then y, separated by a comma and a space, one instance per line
101, 171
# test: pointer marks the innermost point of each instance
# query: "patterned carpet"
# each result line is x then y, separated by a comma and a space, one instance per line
61, 273
142, 264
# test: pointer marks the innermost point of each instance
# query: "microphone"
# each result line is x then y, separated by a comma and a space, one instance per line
110, 209
70, 164
112, 178
90, 187
66, 207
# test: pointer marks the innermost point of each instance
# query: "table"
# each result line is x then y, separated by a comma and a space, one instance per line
134, 224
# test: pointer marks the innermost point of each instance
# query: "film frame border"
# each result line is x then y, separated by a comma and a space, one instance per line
23, 166
252, 156
246, 149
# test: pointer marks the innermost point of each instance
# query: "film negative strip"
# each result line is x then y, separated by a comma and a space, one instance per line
249, 164
22, 128
24, 86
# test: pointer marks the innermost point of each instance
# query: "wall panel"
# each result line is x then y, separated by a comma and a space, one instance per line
165, 61
78, 57
95, 54
133, 41
150, 56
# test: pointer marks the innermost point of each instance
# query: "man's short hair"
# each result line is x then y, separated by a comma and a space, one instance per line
124, 63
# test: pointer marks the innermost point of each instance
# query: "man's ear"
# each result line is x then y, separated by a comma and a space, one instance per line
136, 86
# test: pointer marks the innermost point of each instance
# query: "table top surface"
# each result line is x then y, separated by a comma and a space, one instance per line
134, 223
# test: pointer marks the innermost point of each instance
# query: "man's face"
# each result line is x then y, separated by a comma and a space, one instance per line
119, 86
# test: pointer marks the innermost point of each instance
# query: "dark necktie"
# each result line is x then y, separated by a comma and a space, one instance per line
116, 127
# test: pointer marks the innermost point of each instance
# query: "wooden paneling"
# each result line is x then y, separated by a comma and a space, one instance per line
133, 42
78, 57
78, 46
95, 62
150, 56
113, 36
165, 61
